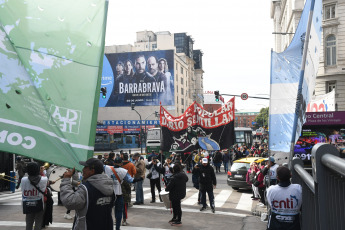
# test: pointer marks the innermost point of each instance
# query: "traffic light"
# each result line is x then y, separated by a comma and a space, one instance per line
104, 92
216, 94
132, 105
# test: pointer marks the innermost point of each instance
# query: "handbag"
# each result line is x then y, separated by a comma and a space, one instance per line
32, 206
149, 176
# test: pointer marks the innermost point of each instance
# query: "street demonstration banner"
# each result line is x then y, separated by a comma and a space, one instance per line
293, 74
51, 55
183, 133
145, 78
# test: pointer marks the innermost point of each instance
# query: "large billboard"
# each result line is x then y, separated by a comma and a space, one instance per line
145, 78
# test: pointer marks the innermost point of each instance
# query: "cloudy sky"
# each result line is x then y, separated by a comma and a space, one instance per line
235, 37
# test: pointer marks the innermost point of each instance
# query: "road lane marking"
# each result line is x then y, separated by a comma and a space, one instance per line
245, 202
222, 197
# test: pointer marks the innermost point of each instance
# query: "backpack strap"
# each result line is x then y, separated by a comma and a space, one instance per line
115, 173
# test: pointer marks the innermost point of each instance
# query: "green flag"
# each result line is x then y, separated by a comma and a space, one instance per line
51, 58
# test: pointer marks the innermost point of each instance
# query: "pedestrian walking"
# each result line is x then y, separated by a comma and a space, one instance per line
33, 188
207, 182
177, 191
94, 198
217, 160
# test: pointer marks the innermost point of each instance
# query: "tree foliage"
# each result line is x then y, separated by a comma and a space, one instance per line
262, 119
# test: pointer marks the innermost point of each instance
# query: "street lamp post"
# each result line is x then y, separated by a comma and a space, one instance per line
141, 130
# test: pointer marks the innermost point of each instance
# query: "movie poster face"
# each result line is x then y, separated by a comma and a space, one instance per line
145, 78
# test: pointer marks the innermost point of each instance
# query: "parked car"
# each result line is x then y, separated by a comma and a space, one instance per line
238, 171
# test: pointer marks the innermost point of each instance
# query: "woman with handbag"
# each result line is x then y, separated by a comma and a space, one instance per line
33, 188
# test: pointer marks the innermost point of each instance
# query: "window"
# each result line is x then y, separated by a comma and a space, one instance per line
154, 46
330, 86
182, 70
176, 89
182, 110
329, 11
176, 78
331, 50
182, 80
182, 101
182, 91
176, 66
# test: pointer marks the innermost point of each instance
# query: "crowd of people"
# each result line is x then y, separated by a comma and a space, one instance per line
107, 182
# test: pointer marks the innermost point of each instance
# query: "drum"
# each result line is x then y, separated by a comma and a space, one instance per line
165, 198
55, 173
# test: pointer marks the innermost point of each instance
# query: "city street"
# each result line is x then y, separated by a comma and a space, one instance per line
233, 211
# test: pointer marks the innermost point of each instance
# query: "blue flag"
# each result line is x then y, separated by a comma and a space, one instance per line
293, 74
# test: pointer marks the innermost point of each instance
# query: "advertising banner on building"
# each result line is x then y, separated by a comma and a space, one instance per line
145, 78
51, 57
322, 103
183, 134
125, 126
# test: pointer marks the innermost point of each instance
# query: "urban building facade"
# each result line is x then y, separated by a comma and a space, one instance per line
118, 121
245, 119
331, 71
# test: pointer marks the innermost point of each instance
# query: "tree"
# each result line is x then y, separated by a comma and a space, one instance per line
262, 119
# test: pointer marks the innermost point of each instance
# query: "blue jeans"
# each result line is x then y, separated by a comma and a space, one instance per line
209, 191
226, 166
118, 210
139, 193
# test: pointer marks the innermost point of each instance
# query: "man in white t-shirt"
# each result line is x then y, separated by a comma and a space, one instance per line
33, 188
285, 201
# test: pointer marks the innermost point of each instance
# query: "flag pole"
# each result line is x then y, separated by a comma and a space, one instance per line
300, 84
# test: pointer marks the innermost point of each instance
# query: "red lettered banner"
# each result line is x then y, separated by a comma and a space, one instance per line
184, 133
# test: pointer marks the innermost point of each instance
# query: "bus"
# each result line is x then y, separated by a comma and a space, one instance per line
153, 140
243, 136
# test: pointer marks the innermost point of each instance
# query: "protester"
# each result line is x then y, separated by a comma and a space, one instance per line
261, 186
285, 201
217, 161
33, 188
207, 182
177, 191
105, 157
153, 154
110, 160
140, 168
120, 176
21, 169
226, 160
168, 170
94, 198
271, 171
250, 179
155, 169
75, 181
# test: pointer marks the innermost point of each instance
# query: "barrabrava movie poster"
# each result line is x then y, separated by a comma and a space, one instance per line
145, 78
197, 127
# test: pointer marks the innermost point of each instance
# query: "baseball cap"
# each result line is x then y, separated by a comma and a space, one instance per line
93, 163
271, 159
204, 160
173, 153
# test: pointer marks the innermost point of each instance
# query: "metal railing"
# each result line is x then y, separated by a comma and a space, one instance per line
323, 195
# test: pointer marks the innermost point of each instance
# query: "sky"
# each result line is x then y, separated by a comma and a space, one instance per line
235, 37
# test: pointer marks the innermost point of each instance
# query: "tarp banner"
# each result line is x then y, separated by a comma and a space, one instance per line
51, 55
181, 134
